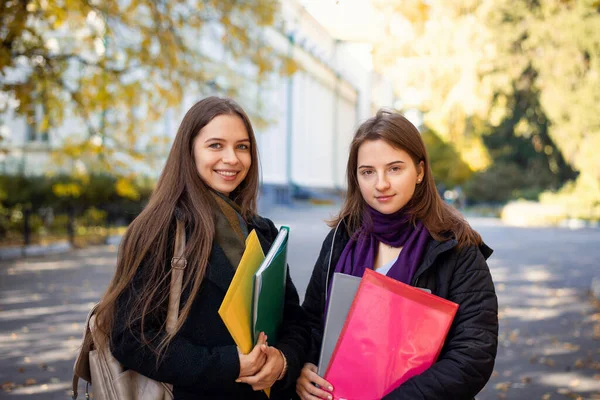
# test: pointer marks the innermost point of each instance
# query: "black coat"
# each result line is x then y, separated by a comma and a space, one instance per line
202, 361
459, 275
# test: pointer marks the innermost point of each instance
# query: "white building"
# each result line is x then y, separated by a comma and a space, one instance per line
314, 113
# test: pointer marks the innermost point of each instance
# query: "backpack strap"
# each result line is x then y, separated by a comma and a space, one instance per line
82, 363
178, 264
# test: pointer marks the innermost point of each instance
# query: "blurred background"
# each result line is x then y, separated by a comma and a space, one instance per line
505, 94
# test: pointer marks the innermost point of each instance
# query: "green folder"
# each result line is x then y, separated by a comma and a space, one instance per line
269, 289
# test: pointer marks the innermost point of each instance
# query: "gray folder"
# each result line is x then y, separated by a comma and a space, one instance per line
343, 290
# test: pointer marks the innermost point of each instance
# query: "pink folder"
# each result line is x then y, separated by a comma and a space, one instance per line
392, 333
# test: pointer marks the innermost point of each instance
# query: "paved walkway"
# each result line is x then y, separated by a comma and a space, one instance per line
550, 333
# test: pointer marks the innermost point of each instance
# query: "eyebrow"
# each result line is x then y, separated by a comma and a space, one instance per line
387, 165
223, 140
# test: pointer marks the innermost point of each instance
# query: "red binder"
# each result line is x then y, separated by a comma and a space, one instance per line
392, 333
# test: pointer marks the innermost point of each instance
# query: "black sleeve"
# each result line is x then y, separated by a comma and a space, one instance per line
183, 363
314, 301
293, 336
467, 359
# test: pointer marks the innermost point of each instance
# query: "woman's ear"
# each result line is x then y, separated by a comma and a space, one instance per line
420, 171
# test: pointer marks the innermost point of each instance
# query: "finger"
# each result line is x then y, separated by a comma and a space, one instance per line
250, 380
260, 363
304, 395
270, 351
310, 388
257, 350
263, 378
259, 374
257, 367
311, 367
315, 391
262, 338
260, 343
315, 378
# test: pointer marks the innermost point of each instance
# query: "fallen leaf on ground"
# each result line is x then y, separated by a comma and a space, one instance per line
574, 383
550, 362
571, 346
8, 386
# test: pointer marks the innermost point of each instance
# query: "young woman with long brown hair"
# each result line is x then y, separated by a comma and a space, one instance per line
394, 221
210, 183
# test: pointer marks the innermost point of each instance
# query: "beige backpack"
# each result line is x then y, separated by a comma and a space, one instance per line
109, 379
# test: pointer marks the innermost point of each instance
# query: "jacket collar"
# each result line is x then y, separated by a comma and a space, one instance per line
219, 270
434, 249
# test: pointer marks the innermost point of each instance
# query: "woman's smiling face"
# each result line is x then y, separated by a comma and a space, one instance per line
222, 153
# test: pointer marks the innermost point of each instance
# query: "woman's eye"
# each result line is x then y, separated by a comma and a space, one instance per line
367, 172
215, 145
395, 169
243, 147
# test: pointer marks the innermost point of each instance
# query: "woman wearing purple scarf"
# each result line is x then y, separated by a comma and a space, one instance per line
394, 222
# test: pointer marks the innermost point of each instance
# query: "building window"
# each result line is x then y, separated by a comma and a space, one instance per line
34, 124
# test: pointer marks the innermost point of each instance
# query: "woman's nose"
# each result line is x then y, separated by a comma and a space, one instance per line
230, 157
382, 183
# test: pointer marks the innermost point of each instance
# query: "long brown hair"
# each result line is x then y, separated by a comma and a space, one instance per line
426, 204
148, 239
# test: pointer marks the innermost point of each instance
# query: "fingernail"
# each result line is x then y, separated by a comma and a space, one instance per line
329, 397
330, 388
237, 381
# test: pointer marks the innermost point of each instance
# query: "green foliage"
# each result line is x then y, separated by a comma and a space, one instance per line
97, 203
118, 66
579, 199
525, 159
446, 164
26, 191
98, 191
505, 181
560, 42
530, 70
93, 217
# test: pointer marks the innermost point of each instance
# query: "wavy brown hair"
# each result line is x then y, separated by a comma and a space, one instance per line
426, 205
149, 239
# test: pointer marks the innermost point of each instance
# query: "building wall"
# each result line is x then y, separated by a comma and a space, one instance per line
312, 115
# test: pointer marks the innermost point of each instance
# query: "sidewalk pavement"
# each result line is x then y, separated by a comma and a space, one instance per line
549, 330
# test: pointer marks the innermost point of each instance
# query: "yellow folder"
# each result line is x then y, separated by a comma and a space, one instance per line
236, 309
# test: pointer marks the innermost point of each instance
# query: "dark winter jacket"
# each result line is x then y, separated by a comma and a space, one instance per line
202, 361
459, 275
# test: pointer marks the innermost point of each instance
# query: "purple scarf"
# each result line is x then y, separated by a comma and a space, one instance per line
392, 229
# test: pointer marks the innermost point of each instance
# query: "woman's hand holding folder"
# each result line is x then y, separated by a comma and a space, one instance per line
309, 383
253, 362
269, 373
